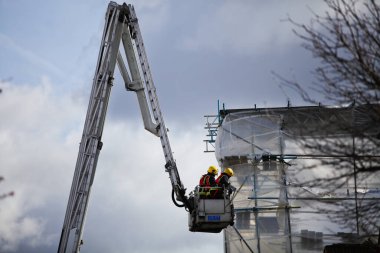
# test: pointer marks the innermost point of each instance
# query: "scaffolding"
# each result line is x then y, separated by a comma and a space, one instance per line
211, 125
274, 212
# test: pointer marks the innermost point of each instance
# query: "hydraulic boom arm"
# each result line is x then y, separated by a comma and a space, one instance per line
134, 34
121, 25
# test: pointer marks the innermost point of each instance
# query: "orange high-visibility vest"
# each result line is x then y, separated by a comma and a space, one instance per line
220, 178
204, 181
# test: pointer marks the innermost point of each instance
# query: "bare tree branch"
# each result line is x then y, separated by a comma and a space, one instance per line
346, 42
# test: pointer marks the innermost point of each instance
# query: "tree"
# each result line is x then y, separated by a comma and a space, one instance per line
4, 195
346, 42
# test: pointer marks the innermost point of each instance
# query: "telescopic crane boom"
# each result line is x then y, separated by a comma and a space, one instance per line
122, 25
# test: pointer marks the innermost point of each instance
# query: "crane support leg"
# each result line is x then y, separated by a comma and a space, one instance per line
91, 144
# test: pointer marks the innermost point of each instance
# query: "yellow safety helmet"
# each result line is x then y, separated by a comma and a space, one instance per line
229, 172
213, 170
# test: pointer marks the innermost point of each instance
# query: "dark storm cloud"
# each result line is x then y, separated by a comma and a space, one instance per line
224, 51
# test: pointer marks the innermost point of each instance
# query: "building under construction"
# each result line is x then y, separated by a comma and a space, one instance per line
274, 210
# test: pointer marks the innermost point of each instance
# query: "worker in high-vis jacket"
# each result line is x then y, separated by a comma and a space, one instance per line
224, 180
207, 182
209, 178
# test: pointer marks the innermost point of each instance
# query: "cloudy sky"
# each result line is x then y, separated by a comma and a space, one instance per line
199, 52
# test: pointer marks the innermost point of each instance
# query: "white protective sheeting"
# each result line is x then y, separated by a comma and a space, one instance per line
274, 213
250, 135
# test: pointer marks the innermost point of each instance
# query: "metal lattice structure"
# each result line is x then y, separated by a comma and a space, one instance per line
205, 215
121, 25
273, 212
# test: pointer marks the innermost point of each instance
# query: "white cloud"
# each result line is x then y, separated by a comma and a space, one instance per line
130, 207
36, 139
16, 228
